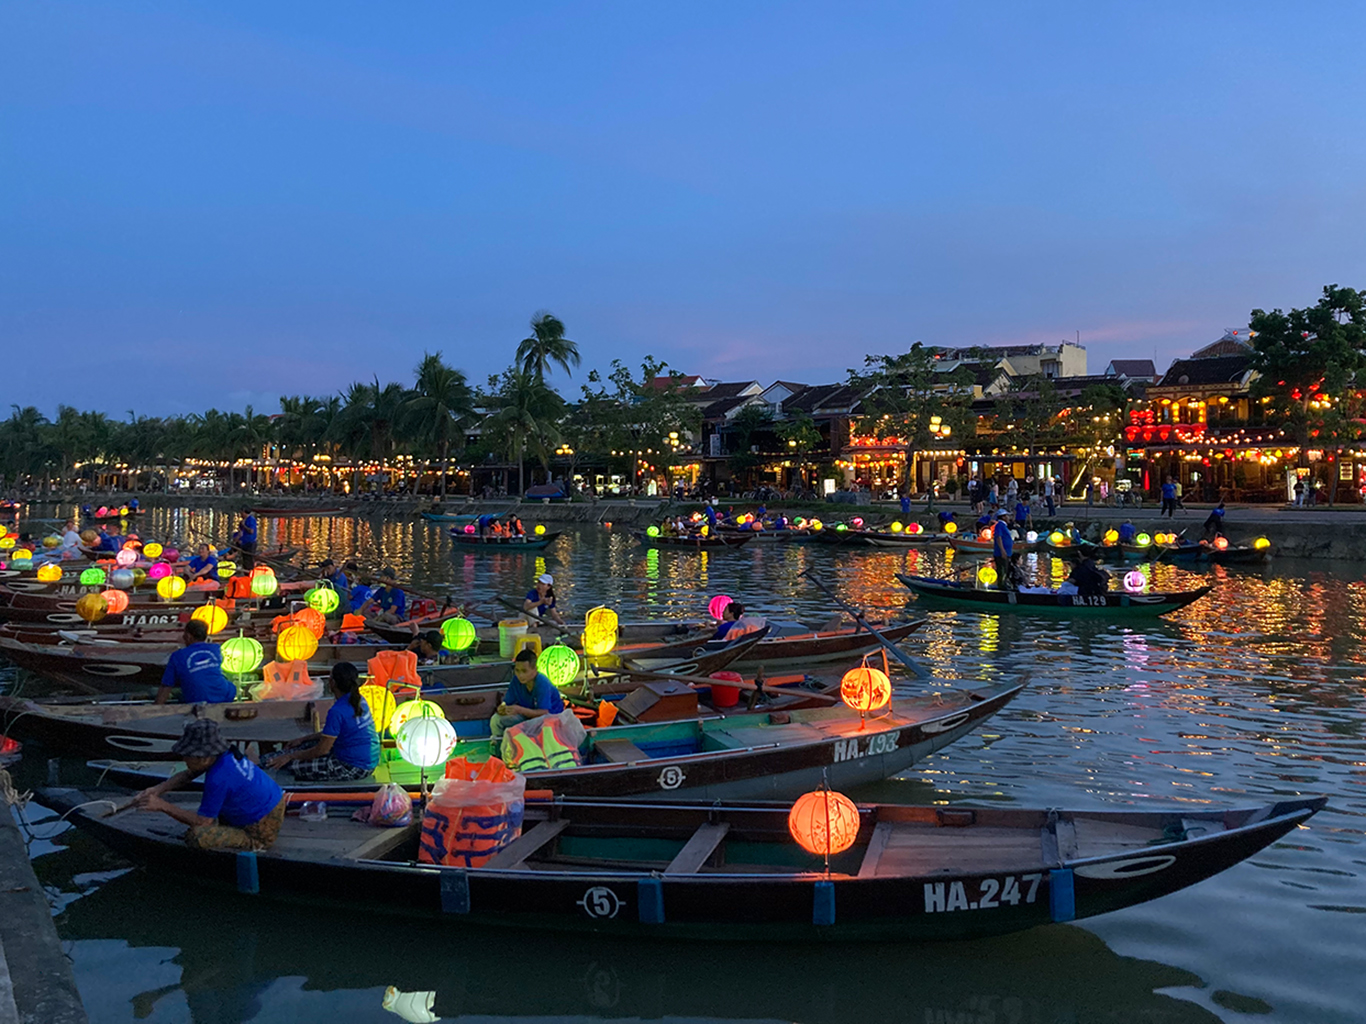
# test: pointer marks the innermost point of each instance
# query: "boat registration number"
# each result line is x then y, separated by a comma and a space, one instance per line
852, 749
941, 897
1097, 601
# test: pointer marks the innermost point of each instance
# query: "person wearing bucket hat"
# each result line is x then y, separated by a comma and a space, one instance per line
242, 807
540, 600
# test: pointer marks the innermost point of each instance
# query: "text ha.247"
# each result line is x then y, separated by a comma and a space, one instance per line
991, 892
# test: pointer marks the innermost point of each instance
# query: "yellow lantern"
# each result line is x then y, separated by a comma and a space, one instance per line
214, 617
987, 575
152, 550
540, 530
412, 709
170, 588
6, 543
381, 703
91, 607
49, 573
950, 527
226, 570
897, 527
1111, 536
824, 822
296, 643
599, 632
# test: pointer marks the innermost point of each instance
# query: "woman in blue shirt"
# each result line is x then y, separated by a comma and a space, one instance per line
348, 746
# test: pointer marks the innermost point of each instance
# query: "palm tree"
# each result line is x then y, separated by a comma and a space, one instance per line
528, 410
440, 402
546, 345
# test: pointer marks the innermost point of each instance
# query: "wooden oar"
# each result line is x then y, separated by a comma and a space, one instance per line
857, 616
708, 681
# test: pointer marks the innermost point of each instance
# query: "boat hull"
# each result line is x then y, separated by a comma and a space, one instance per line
942, 594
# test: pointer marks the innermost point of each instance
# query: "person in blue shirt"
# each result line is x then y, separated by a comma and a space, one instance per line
1127, 532
328, 570
946, 517
540, 600
1003, 545
529, 695
242, 807
109, 541
347, 748
732, 614
360, 594
197, 668
1168, 499
204, 565
245, 540
905, 504
1214, 525
1022, 514
710, 513
387, 601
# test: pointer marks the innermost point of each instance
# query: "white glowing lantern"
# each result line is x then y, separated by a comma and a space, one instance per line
426, 742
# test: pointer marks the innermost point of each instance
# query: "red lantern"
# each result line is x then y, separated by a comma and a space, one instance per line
984, 535
1221, 543
309, 618
865, 689
824, 822
117, 600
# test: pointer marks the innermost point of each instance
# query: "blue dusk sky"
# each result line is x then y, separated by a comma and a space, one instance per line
214, 203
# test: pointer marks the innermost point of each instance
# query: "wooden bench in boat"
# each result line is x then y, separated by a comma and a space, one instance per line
620, 751
698, 849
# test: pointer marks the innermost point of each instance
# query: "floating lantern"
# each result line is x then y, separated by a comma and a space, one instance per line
116, 600
865, 689
540, 530
123, 511
716, 607
600, 627
214, 618
122, 578
1111, 537
824, 822
469, 528
914, 528
897, 527
170, 588
987, 575
51, 541
91, 607
412, 710
381, 703
323, 599
1221, 543
1032, 537
49, 573
242, 654
425, 742
295, 643
227, 570
1261, 543
152, 550
264, 585
652, 530
1134, 581
950, 527
559, 663
457, 634
1056, 537
125, 557
1143, 540
858, 522
159, 571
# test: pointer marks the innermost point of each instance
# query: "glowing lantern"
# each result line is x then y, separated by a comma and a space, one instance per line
716, 607
599, 632
6, 543
824, 822
1111, 537
841, 527
985, 534
652, 530
101, 512
51, 541
457, 634
914, 528
381, 703
170, 588
213, 617
469, 528
125, 557
264, 585
1143, 540
897, 527
227, 569
91, 607
865, 689
152, 550
816, 524
1134, 581
540, 530
296, 643
139, 577
425, 742
159, 571
1032, 537
1261, 543
858, 522
131, 544
987, 575
123, 511
559, 663
122, 578
1221, 543
412, 709
49, 573
1056, 537
171, 555
242, 654
117, 601
311, 619
21, 554
950, 527
801, 522
323, 600
759, 526
704, 529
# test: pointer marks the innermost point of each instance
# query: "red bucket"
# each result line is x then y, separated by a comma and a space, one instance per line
726, 696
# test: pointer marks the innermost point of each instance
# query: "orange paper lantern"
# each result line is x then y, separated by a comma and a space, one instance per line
865, 689
117, 600
311, 619
824, 822
1221, 543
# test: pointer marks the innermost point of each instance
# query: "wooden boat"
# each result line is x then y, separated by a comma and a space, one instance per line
714, 542
296, 512
975, 546
452, 517
799, 649
732, 871
1118, 603
1101, 552
1234, 554
791, 535
530, 542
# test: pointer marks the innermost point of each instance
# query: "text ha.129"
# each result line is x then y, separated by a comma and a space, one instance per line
991, 892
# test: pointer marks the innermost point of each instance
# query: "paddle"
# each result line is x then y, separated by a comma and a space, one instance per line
857, 616
833, 698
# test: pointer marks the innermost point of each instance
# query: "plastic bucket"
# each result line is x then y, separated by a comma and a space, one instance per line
725, 696
508, 632
529, 641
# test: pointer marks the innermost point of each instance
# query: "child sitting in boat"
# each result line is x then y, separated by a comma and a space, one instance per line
530, 695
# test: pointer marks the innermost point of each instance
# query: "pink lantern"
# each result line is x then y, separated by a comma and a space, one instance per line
717, 606
103, 510
1135, 581
469, 528
914, 528
170, 555
858, 522
158, 571
126, 557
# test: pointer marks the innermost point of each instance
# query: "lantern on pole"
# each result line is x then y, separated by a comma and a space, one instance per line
599, 632
824, 823
214, 618
458, 634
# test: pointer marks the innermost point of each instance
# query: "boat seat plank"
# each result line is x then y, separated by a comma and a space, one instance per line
385, 841
620, 751
928, 849
877, 845
698, 848
1097, 838
528, 843
762, 736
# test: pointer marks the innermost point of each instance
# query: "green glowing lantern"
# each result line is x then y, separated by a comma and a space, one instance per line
652, 531
264, 585
457, 634
841, 527
559, 663
241, 655
323, 599
92, 577
1143, 540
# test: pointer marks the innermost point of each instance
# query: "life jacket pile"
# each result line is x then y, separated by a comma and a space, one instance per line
542, 744
475, 811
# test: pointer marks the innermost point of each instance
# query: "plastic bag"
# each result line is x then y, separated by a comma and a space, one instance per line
474, 812
549, 741
287, 682
391, 808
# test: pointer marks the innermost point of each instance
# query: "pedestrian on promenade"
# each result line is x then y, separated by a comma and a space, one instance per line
1299, 493
1049, 489
1168, 499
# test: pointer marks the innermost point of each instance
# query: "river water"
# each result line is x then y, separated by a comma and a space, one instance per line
1253, 693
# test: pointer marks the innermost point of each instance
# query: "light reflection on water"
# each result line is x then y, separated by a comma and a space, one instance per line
1253, 692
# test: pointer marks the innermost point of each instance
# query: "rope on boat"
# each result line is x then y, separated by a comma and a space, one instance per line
19, 801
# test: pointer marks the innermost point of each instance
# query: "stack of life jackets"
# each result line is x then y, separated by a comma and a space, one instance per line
547, 743
475, 811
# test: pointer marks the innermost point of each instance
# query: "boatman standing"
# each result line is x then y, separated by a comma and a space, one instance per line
1002, 546
245, 540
